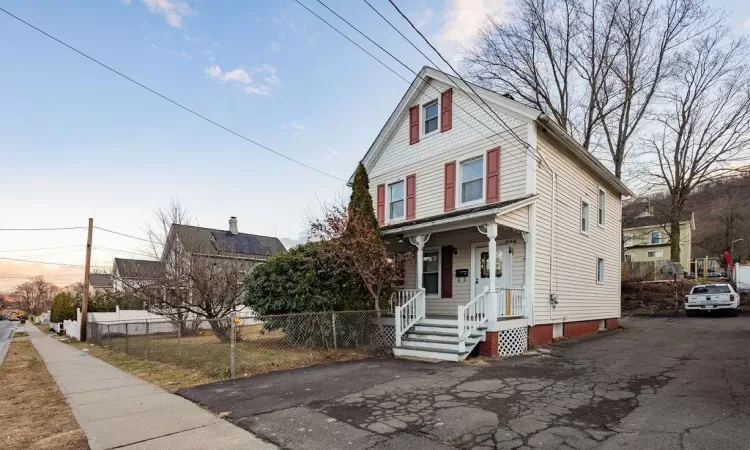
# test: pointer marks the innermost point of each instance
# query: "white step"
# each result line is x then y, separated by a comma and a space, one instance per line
443, 335
426, 353
423, 342
427, 321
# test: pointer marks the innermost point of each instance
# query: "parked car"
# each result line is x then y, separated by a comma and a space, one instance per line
712, 297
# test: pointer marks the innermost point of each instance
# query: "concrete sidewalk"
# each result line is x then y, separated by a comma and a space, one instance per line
118, 410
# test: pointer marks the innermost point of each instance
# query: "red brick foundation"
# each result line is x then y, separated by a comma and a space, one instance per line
491, 344
540, 335
578, 329
612, 324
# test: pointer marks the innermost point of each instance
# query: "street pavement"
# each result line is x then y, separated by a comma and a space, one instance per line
678, 383
118, 410
6, 335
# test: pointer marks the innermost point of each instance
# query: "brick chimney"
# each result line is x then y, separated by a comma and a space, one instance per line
233, 225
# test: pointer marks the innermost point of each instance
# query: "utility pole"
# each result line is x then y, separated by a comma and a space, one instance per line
86, 283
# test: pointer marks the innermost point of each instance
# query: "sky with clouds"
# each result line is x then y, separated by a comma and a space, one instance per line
77, 141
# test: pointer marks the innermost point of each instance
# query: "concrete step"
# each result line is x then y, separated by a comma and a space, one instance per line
431, 343
451, 335
429, 353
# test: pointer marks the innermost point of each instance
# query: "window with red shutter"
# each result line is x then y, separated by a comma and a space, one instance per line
449, 201
411, 207
446, 110
381, 204
493, 175
413, 124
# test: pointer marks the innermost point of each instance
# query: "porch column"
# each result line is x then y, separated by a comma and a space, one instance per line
491, 233
419, 241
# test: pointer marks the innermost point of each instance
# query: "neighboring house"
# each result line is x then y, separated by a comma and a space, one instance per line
188, 243
516, 234
101, 282
135, 273
645, 238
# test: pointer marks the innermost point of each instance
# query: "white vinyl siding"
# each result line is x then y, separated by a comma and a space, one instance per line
426, 159
578, 294
518, 219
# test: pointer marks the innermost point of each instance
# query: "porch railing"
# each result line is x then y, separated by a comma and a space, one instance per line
510, 302
409, 313
471, 316
402, 296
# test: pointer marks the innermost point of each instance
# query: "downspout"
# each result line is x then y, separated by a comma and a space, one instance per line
552, 285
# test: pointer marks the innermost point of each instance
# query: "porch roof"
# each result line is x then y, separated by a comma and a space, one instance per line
459, 216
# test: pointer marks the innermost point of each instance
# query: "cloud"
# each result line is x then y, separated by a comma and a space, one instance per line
747, 23
293, 242
294, 126
127, 2
209, 55
463, 21
274, 46
241, 77
172, 10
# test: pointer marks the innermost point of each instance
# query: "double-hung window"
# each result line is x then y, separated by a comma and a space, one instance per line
396, 200
602, 202
659, 254
655, 237
584, 217
472, 180
431, 272
430, 117
600, 270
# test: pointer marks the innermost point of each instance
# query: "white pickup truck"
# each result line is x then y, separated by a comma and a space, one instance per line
712, 297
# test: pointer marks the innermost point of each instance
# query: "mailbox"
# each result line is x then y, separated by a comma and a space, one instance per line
462, 273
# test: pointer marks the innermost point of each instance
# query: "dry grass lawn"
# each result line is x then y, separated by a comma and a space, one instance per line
33, 412
171, 364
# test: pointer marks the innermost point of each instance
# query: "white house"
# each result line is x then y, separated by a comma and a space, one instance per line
515, 228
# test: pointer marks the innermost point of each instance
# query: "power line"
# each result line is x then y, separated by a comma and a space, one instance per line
505, 125
122, 234
164, 97
422, 91
80, 266
42, 229
39, 249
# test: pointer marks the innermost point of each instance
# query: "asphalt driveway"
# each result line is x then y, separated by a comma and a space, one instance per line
657, 384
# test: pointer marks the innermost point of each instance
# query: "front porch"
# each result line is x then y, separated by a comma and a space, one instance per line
464, 282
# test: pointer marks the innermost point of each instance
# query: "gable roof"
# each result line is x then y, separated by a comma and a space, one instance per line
640, 214
510, 106
100, 280
144, 269
210, 241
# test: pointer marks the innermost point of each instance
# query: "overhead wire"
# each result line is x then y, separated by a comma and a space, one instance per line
122, 234
499, 119
174, 102
422, 91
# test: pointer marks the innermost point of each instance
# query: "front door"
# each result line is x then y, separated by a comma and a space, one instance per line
482, 268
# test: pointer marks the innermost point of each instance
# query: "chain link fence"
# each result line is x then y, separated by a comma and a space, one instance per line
241, 346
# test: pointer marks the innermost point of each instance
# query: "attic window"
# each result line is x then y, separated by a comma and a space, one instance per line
431, 117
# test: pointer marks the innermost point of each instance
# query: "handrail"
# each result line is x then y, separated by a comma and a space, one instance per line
471, 316
401, 296
409, 313
510, 302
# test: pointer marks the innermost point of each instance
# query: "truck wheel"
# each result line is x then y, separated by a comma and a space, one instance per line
734, 313
690, 313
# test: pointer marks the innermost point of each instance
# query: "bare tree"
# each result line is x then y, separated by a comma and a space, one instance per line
703, 122
594, 65
193, 281
36, 295
355, 243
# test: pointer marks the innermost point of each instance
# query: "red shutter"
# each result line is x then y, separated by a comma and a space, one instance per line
446, 110
414, 125
446, 272
411, 206
493, 175
381, 204
450, 187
